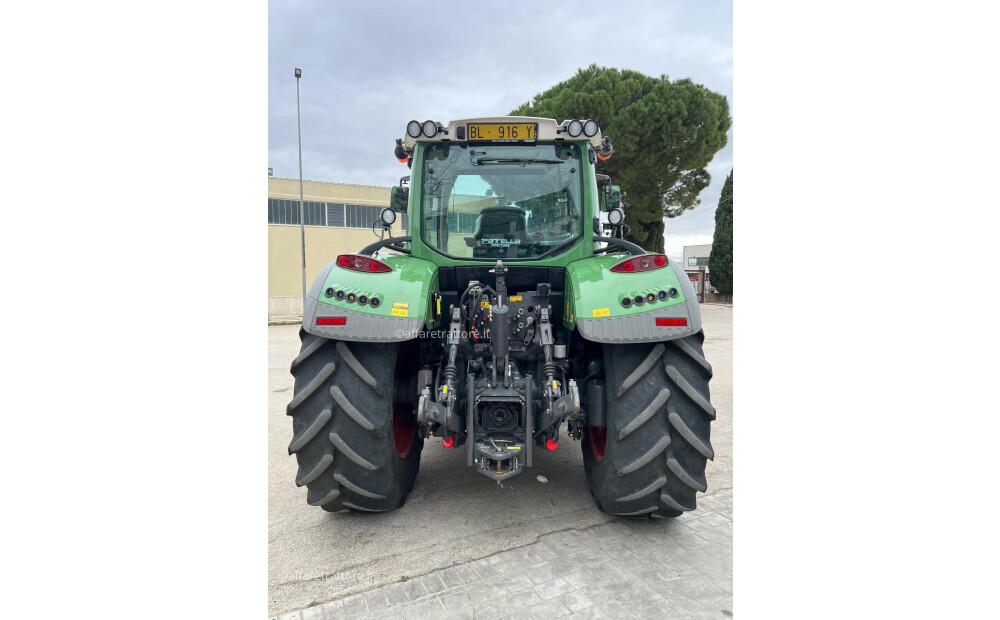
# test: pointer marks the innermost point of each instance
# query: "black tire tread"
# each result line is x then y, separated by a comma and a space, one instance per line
658, 439
347, 459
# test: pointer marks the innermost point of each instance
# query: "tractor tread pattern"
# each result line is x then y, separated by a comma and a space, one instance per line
342, 426
302, 480
640, 370
345, 353
350, 409
300, 440
658, 440
310, 389
646, 413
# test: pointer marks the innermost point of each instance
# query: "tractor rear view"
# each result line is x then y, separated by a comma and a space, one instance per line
512, 316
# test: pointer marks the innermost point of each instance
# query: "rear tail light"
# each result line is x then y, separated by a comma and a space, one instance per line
362, 263
331, 320
641, 263
661, 322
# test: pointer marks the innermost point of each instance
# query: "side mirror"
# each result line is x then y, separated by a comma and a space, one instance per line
400, 196
612, 197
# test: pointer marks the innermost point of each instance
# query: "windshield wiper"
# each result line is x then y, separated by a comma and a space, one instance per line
479, 161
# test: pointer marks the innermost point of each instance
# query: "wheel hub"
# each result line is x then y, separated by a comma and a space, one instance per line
403, 432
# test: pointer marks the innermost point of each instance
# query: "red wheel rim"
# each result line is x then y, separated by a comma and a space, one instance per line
402, 433
597, 437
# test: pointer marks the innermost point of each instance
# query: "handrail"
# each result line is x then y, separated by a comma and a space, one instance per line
390, 243
628, 246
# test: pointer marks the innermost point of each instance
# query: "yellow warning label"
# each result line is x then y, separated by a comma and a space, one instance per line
484, 304
399, 312
444, 389
438, 306
400, 304
555, 386
602, 312
514, 298
513, 447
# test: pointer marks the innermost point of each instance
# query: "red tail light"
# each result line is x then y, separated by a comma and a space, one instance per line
362, 263
671, 322
331, 320
641, 263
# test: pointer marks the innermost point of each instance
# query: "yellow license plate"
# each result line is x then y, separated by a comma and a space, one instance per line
506, 132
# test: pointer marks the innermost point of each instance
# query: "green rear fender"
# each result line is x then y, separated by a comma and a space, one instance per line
594, 302
405, 302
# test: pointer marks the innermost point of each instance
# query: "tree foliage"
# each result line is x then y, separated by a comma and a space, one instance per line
664, 134
720, 261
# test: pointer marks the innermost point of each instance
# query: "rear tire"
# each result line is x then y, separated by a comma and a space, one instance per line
651, 458
356, 450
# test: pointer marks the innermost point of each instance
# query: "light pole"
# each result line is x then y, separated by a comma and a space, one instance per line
302, 210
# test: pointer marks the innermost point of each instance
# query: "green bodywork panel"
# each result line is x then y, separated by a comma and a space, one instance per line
408, 289
593, 291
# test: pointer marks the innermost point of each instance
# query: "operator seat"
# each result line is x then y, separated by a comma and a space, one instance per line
501, 223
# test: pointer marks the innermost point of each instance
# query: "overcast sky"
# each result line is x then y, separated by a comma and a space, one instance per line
370, 67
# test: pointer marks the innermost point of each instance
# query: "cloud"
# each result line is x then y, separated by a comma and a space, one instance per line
368, 68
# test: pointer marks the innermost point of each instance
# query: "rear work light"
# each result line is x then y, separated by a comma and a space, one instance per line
331, 320
362, 263
641, 263
660, 322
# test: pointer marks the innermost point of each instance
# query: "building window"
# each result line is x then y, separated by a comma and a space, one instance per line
324, 214
335, 215
287, 212
692, 261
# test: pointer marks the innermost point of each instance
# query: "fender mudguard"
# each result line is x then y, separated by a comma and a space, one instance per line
594, 297
403, 309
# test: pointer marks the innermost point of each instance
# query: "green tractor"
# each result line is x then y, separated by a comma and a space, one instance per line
512, 306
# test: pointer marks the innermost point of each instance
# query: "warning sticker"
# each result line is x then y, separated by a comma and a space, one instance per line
602, 312
399, 312
515, 298
400, 304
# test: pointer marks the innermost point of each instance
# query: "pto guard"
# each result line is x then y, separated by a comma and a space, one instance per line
595, 309
404, 295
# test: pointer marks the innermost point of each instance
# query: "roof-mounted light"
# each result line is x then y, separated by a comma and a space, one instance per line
413, 129
575, 128
590, 128
616, 217
362, 263
646, 262
430, 129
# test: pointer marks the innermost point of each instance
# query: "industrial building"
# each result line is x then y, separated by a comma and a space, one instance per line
696, 268
339, 218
